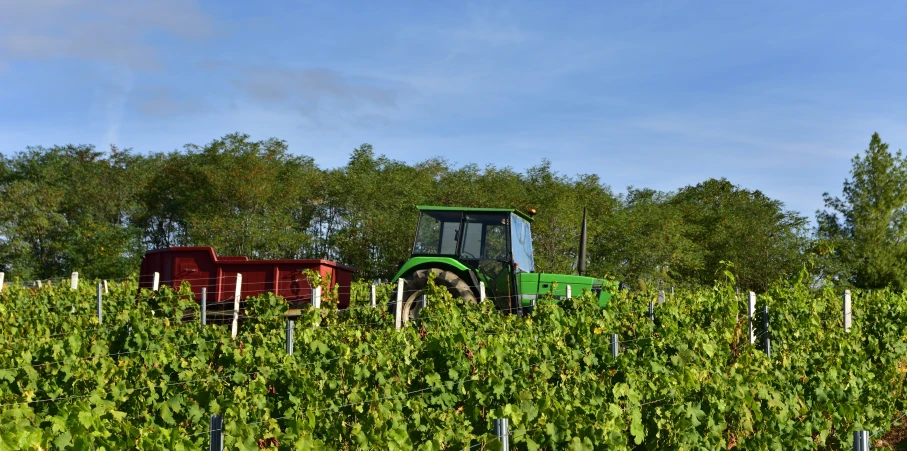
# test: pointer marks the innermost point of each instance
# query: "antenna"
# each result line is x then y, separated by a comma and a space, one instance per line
581, 265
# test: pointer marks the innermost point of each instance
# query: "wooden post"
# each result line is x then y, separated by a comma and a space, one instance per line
848, 313
100, 313
398, 309
2, 275
74, 281
157, 281
236, 304
374, 296
569, 292
105, 288
751, 311
316, 297
481, 291
661, 297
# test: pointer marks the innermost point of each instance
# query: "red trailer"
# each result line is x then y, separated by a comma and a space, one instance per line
202, 268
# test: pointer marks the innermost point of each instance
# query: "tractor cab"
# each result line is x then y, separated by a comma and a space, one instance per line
481, 236
467, 247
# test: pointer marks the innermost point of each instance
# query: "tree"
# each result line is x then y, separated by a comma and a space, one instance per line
643, 242
747, 228
242, 197
68, 208
863, 236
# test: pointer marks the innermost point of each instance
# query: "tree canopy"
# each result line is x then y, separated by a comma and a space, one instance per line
863, 235
75, 208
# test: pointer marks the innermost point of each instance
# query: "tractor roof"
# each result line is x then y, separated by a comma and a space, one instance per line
480, 210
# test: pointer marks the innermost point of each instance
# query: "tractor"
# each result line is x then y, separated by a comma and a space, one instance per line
463, 249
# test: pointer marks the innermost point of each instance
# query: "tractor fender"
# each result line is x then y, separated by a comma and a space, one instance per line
416, 263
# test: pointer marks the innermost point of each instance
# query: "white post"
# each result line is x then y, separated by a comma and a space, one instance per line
105, 287
2, 275
848, 314
481, 291
569, 292
661, 297
374, 297
236, 304
398, 310
74, 281
751, 310
100, 301
157, 281
316, 297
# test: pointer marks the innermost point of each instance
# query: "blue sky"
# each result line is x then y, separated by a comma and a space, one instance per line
776, 96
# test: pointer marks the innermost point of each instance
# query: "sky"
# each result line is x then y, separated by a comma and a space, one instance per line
772, 95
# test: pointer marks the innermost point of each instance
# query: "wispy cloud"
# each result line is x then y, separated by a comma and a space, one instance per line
316, 93
109, 31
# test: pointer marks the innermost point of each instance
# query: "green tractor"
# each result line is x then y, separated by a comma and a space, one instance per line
463, 247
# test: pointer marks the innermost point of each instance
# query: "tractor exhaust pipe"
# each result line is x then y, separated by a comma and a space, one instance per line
581, 265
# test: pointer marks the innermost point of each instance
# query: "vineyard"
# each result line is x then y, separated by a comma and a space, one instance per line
149, 375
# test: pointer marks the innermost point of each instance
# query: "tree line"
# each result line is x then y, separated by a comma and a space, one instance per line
75, 208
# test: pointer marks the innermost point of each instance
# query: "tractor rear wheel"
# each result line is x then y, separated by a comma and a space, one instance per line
414, 288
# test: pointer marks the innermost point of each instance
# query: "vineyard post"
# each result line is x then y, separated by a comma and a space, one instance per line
105, 287
481, 291
614, 345
316, 297
38, 283
423, 301
157, 282
1, 281
204, 306
374, 297
661, 297
751, 311
502, 432
100, 300
848, 313
236, 305
290, 327
398, 308
569, 292
860, 440
74, 281
768, 340
672, 291
216, 432
651, 311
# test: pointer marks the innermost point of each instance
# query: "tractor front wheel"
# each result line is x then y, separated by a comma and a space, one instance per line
414, 287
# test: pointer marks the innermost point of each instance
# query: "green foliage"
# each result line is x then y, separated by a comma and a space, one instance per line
67, 209
682, 238
862, 235
150, 376
74, 209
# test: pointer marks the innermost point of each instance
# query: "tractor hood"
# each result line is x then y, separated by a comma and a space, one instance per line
536, 285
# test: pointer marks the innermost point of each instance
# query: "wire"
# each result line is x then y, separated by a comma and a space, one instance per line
116, 354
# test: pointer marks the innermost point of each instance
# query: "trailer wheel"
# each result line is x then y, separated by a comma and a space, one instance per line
414, 288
